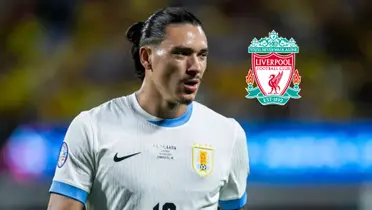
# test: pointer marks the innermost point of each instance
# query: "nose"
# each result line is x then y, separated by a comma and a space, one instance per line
194, 65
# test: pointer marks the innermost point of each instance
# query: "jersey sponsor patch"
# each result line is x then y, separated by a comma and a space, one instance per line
63, 155
202, 159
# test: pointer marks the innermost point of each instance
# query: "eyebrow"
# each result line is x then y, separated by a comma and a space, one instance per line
188, 49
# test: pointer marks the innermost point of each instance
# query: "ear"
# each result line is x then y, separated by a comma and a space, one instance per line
145, 57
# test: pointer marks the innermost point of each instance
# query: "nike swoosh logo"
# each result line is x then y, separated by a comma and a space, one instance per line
118, 159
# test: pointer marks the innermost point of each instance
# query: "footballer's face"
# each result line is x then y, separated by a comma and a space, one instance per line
179, 62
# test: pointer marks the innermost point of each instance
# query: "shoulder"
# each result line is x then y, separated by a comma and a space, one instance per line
204, 113
112, 110
102, 119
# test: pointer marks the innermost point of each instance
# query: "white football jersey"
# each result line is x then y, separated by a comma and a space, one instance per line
119, 157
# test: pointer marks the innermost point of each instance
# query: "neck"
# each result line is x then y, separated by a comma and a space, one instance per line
152, 102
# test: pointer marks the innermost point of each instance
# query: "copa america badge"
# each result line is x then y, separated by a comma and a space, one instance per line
63, 155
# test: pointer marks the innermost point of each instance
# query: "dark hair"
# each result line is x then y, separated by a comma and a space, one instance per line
152, 31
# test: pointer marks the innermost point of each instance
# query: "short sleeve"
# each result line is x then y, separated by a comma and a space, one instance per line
233, 194
75, 168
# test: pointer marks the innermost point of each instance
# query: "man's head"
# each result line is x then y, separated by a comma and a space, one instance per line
170, 53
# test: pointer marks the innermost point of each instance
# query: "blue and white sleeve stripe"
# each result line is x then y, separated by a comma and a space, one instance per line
233, 204
69, 191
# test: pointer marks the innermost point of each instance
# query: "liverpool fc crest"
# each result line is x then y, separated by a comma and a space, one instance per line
273, 70
202, 159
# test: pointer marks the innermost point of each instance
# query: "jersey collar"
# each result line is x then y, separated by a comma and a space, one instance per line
159, 121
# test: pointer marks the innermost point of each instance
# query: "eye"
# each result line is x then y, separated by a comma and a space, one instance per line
181, 53
203, 55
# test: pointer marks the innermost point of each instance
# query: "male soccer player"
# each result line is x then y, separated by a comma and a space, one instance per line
155, 149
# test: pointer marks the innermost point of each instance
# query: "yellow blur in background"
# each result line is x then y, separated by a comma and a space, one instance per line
58, 58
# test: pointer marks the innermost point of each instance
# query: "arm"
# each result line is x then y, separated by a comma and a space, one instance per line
75, 168
61, 202
233, 195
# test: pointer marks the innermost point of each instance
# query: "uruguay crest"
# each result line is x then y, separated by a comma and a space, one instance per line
202, 159
273, 70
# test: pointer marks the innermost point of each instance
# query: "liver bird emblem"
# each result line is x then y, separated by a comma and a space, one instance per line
274, 82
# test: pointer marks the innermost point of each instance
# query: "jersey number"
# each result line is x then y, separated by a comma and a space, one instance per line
166, 206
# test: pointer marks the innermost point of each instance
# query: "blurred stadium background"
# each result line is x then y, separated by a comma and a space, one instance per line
58, 58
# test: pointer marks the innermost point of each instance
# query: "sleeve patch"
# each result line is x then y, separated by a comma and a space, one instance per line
63, 155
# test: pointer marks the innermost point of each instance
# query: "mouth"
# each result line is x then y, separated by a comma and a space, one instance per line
191, 82
191, 85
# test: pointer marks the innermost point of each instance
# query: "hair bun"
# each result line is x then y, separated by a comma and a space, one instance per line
134, 32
